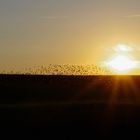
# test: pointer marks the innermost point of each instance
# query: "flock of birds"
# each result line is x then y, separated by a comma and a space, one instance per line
65, 69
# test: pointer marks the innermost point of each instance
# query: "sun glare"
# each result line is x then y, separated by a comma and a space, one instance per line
122, 63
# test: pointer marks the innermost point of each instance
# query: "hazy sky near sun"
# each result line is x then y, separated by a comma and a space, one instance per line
42, 32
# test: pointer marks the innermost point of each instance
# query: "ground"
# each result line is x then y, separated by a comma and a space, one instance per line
102, 104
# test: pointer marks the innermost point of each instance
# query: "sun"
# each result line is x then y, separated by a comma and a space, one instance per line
122, 63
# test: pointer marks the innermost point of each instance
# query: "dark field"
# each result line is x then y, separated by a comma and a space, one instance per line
103, 105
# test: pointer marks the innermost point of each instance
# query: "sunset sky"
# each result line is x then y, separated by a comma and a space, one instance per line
42, 32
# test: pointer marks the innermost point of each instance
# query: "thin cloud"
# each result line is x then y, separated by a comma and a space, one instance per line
133, 16
54, 17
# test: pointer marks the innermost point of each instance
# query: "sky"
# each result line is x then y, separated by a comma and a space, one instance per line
43, 32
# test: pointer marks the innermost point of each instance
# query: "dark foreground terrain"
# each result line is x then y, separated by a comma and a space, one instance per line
84, 106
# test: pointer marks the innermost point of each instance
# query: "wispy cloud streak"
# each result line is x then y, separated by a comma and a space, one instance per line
54, 17
133, 16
